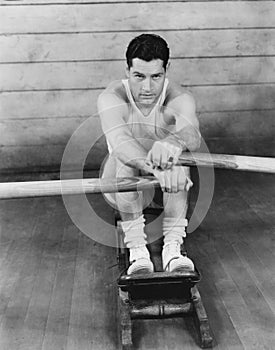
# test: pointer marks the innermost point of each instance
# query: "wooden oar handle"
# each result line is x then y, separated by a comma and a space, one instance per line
227, 161
77, 186
80, 186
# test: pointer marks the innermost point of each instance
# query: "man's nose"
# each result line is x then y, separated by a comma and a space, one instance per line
146, 85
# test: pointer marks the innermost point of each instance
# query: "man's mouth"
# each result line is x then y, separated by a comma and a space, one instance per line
147, 95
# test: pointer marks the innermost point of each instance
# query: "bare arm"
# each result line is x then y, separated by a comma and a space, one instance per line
113, 113
187, 133
181, 112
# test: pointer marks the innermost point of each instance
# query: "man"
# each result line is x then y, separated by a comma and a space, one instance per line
148, 122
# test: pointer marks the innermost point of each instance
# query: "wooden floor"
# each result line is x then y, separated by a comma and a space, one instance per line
58, 287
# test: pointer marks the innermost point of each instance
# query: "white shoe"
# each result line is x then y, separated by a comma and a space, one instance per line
140, 261
172, 259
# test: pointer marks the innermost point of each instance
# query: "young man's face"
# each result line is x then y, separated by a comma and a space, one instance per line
146, 80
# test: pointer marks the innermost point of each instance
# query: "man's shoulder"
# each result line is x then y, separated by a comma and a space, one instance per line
116, 89
113, 98
176, 92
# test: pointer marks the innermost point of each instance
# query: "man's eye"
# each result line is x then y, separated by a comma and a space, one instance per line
156, 77
139, 76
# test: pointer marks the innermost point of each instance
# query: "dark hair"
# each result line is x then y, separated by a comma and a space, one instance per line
147, 47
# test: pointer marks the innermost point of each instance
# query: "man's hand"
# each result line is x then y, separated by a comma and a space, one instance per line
163, 155
173, 180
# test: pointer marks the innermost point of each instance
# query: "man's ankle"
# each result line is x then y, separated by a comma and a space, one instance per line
139, 252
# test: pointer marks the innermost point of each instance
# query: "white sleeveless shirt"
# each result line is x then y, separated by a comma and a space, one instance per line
147, 129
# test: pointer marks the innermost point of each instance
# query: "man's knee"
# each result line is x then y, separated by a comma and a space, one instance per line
113, 168
123, 170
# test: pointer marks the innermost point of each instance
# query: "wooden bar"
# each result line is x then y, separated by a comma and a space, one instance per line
206, 340
125, 320
160, 310
111, 185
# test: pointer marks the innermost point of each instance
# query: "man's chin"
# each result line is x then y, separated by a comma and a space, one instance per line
147, 101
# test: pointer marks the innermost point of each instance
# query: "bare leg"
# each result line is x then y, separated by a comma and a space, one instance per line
129, 203
175, 204
130, 206
174, 225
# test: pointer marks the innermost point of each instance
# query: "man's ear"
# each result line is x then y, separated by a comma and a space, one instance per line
127, 71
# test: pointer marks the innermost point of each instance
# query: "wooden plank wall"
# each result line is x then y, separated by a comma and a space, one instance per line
57, 55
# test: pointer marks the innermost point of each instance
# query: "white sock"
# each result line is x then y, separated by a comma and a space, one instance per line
134, 232
174, 230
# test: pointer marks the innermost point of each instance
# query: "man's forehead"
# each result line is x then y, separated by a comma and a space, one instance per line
151, 67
